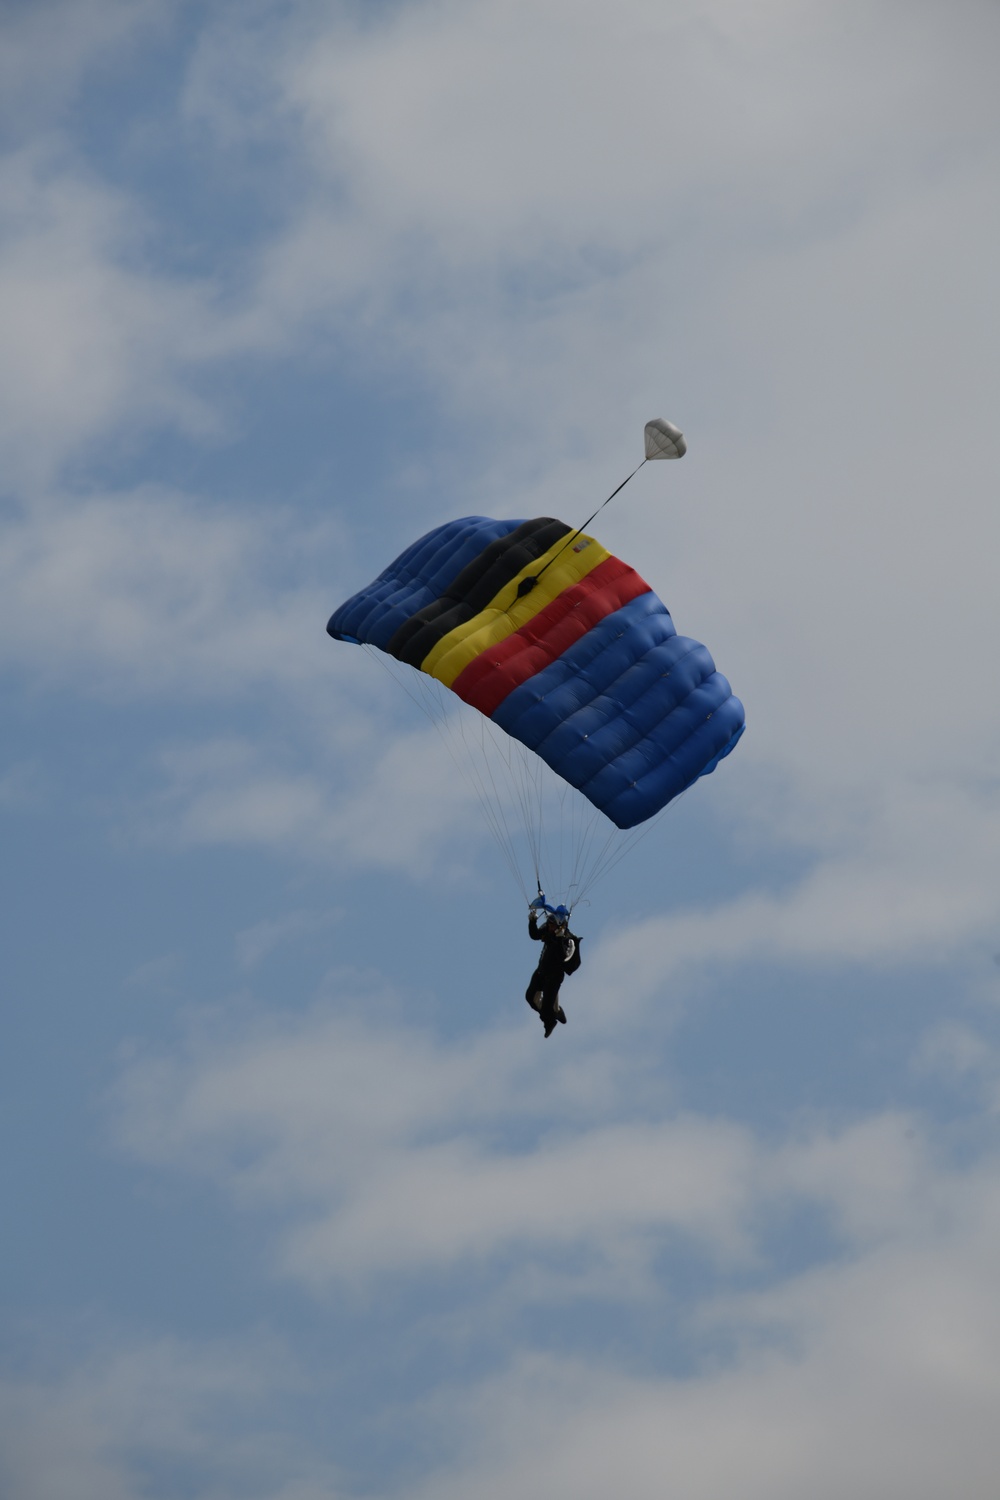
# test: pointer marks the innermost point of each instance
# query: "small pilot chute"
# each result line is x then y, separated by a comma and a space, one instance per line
664, 440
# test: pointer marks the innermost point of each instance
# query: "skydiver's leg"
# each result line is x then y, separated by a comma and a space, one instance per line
551, 1011
533, 994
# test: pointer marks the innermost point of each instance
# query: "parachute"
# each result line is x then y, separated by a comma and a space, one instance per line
565, 649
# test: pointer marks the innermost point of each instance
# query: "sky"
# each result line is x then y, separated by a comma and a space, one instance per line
298, 1202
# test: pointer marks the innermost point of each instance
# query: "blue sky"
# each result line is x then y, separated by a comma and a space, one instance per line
299, 1204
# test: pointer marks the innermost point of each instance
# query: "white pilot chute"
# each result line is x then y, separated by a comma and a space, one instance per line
664, 440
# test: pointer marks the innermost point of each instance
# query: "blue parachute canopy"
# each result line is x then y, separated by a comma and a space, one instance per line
563, 646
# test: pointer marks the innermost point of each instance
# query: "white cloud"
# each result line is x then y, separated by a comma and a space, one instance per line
963, 1056
918, 883
874, 1372
882, 1382
151, 592
96, 339
381, 1147
254, 943
876, 1376
389, 800
546, 208
604, 1193
577, 127
128, 1419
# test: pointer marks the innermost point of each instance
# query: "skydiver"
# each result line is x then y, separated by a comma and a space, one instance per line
560, 956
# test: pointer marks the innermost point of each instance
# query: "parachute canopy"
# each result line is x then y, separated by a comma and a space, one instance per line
664, 440
564, 647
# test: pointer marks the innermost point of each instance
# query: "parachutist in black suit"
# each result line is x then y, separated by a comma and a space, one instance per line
560, 956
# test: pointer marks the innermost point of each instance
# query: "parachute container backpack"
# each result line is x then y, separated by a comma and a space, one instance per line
565, 649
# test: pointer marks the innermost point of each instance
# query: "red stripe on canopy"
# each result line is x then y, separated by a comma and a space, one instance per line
486, 681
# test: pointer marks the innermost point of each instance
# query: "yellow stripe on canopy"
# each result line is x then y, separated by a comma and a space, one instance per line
506, 613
